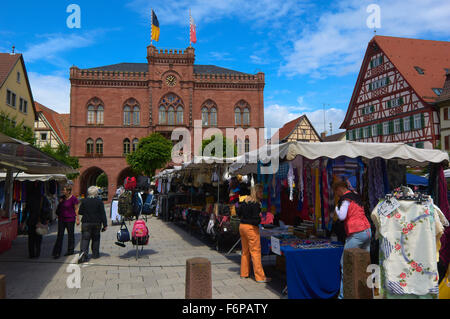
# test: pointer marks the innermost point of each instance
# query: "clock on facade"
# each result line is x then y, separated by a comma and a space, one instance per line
171, 80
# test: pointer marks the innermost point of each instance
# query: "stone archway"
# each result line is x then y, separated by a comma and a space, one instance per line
88, 178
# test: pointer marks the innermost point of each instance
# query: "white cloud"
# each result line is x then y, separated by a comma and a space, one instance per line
51, 90
205, 11
276, 116
335, 45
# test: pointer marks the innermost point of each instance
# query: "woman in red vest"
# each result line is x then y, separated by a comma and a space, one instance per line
350, 210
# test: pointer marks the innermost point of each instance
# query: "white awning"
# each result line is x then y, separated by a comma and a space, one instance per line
403, 153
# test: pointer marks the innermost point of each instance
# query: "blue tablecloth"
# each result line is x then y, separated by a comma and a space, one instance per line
265, 246
313, 273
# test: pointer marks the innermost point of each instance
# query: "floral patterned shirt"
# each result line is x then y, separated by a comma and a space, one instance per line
407, 232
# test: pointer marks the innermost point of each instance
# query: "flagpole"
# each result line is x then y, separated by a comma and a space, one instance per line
151, 27
190, 42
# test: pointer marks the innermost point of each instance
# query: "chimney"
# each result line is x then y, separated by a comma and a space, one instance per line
323, 135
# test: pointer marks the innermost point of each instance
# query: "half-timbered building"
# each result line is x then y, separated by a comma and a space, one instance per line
298, 130
396, 89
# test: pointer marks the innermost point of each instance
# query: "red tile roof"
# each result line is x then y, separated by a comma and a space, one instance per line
431, 56
405, 54
7, 62
59, 122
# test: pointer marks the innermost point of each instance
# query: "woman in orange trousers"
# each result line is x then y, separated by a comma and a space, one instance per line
249, 212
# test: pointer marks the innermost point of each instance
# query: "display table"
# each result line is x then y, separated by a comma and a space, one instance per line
312, 273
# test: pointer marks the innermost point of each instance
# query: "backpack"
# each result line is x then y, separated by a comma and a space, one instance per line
123, 235
130, 183
147, 208
139, 234
125, 205
137, 204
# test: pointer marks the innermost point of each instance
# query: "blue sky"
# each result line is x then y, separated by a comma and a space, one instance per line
310, 51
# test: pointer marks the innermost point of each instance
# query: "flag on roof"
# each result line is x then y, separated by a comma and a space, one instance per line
192, 33
155, 27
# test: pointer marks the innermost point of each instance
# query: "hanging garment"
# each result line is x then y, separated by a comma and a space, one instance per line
325, 200
376, 184
317, 206
396, 174
407, 232
291, 178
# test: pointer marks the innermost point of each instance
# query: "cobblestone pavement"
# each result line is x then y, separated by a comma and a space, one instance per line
159, 273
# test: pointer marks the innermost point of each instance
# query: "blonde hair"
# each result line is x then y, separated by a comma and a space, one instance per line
254, 190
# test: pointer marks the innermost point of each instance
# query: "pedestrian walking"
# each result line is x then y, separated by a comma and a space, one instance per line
68, 216
350, 210
37, 214
93, 222
249, 212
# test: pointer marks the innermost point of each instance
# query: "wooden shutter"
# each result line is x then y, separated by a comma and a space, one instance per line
401, 126
380, 129
446, 115
347, 135
381, 59
371, 63
447, 144
400, 101
411, 123
372, 109
391, 127
370, 86
389, 104
422, 120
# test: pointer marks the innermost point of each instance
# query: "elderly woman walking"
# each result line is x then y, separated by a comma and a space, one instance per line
94, 217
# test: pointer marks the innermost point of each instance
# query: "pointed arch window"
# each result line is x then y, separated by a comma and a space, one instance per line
95, 109
205, 116
213, 117
246, 117
91, 114
135, 144
89, 146
180, 115
126, 146
240, 147
237, 116
171, 116
126, 115
99, 146
136, 115
171, 110
247, 145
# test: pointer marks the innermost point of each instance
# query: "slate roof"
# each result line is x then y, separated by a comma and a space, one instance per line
143, 67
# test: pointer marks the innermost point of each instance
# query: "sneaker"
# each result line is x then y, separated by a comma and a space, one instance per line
265, 280
244, 277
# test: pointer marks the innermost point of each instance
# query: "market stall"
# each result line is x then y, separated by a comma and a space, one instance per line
297, 182
15, 157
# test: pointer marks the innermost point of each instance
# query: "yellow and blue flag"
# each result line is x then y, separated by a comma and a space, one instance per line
155, 27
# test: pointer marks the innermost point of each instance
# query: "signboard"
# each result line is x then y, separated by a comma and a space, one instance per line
275, 244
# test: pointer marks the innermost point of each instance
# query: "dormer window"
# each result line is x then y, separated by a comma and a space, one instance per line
437, 91
419, 70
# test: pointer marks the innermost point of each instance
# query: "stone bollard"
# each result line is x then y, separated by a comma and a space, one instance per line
198, 279
355, 272
2, 287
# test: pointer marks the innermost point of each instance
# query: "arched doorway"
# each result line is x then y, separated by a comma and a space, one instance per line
89, 178
127, 172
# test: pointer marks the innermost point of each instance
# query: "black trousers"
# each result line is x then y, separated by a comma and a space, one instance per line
90, 232
34, 242
62, 226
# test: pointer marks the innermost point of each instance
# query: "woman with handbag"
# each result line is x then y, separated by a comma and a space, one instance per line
68, 215
36, 217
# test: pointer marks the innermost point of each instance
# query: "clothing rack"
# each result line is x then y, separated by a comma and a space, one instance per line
405, 193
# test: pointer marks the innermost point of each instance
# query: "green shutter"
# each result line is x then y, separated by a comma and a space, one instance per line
389, 104
387, 80
411, 123
381, 59
370, 131
422, 120
370, 86
363, 111
400, 101
372, 109
347, 135
401, 126
371, 63
380, 129
391, 127
361, 133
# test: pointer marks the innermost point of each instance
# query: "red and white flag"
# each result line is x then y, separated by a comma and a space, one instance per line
192, 33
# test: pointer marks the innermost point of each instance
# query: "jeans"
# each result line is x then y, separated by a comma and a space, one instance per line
355, 240
70, 226
90, 231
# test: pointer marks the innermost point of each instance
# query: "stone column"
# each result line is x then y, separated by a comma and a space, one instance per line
198, 279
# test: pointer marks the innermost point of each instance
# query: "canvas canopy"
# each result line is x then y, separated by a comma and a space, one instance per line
403, 153
36, 177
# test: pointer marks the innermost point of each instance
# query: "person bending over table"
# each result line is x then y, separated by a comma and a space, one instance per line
350, 210
249, 213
